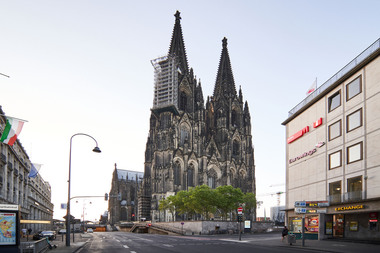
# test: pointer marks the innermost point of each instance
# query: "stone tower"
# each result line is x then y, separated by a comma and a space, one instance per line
191, 142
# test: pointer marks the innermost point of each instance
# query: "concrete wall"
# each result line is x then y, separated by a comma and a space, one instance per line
214, 227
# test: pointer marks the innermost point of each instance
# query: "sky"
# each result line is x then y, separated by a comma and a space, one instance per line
83, 66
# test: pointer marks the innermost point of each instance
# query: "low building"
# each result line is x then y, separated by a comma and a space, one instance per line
333, 154
123, 200
33, 195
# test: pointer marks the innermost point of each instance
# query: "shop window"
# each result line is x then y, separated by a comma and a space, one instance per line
354, 120
334, 101
354, 188
335, 190
335, 160
373, 218
354, 88
335, 130
355, 153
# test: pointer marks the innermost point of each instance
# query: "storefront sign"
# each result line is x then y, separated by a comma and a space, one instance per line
303, 131
317, 123
308, 153
348, 208
298, 134
353, 226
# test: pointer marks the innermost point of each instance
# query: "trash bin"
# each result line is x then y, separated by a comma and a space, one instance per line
291, 239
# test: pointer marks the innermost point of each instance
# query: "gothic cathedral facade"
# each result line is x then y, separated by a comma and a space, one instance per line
192, 142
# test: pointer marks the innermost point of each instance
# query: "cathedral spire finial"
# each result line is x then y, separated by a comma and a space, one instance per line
224, 42
177, 16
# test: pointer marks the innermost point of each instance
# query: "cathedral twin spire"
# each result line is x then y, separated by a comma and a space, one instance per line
225, 84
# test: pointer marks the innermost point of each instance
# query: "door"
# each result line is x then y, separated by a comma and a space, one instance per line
338, 225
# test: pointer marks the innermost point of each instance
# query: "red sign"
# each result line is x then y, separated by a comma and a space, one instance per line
240, 210
298, 134
317, 123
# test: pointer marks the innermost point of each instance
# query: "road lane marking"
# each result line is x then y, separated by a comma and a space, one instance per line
168, 245
125, 246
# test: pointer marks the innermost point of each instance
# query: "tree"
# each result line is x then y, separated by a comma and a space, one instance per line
250, 202
228, 199
203, 200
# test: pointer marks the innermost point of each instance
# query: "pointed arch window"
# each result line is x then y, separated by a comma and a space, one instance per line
190, 176
211, 179
236, 148
183, 101
177, 173
184, 135
234, 119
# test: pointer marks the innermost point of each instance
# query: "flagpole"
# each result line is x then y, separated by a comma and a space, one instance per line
13, 118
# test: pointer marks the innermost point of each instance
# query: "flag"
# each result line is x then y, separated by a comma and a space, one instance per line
12, 130
34, 171
312, 88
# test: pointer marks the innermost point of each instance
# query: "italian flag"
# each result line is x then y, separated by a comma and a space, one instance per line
11, 131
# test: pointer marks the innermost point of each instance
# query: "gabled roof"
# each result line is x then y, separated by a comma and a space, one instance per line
225, 84
129, 175
177, 45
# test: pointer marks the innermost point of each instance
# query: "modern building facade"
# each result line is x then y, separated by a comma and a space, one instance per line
192, 142
123, 197
333, 154
33, 195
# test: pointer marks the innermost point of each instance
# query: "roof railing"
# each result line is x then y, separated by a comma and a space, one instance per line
350, 66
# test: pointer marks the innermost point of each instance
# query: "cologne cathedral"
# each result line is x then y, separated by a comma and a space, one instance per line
191, 141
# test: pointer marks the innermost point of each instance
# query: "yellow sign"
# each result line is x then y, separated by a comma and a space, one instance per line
35, 221
348, 208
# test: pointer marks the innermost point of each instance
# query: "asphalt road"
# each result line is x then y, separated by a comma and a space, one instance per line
148, 243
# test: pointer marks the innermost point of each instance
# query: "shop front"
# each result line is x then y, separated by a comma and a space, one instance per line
311, 226
352, 221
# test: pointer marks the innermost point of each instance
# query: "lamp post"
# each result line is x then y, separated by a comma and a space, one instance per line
68, 216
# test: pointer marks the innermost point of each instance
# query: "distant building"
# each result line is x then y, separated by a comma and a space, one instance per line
32, 194
277, 214
333, 154
191, 141
123, 200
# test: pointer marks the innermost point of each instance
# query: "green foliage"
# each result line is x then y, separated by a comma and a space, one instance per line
206, 201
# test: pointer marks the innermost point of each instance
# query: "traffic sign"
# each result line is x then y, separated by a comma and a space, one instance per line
240, 210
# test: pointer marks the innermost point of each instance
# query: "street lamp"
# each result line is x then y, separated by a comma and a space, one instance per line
96, 150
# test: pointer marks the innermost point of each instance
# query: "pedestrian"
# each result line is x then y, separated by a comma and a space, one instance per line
23, 232
284, 233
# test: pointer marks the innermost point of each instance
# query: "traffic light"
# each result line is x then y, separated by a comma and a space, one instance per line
106, 196
240, 218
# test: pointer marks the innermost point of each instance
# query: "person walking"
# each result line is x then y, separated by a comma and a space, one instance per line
285, 232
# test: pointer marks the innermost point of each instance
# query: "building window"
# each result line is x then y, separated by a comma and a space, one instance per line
354, 120
190, 176
355, 153
211, 182
354, 88
235, 148
184, 136
354, 188
334, 101
335, 160
177, 174
335, 130
183, 101
335, 190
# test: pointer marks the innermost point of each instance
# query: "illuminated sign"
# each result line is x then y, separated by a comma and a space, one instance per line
317, 123
348, 208
300, 133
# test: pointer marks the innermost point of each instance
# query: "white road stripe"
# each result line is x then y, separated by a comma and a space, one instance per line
125, 246
168, 245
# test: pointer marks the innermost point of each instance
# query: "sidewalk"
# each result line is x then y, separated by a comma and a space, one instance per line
329, 245
79, 241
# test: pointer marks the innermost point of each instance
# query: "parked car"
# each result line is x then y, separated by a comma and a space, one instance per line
62, 231
45, 234
89, 230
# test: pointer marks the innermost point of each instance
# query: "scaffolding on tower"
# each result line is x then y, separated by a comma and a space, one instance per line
165, 82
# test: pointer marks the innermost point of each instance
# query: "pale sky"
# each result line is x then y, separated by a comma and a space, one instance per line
80, 66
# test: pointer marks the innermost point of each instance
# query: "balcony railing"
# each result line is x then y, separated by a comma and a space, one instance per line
346, 197
353, 196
